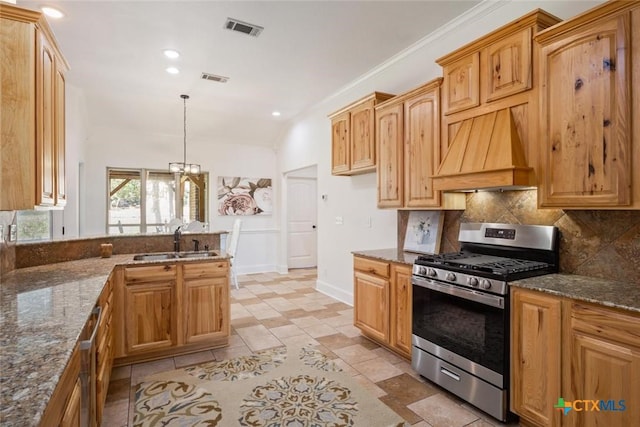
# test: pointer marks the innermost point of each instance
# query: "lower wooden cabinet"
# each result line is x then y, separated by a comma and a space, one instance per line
63, 408
382, 303
206, 297
72, 415
535, 353
371, 310
150, 308
168, 309
575, 351
104, 349
400, 313
604, 355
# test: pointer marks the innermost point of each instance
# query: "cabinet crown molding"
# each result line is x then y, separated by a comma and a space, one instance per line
538, 17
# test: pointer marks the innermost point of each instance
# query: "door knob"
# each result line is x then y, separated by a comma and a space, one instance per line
313, 226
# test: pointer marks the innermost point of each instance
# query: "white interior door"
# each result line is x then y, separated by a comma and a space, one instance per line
301, 222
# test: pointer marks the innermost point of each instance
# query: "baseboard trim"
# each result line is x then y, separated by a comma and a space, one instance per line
334, 292
252, 269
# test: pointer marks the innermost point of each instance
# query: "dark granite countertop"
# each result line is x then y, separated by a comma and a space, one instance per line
42, 313
622, 295
389, 255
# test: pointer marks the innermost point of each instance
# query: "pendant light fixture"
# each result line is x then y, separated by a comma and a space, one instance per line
184, 167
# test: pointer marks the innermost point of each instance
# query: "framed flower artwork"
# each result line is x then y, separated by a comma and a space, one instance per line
244, 196
424, 231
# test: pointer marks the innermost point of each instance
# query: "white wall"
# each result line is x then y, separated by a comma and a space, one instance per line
308, 140
106, 147
75, 137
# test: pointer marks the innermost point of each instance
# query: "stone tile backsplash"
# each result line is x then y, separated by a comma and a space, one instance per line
595, 243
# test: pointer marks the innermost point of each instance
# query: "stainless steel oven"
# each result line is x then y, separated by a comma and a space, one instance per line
461, 309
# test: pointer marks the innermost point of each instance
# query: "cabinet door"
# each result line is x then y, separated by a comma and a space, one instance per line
605, 365
45, 123
206, 302
389, 135
340, 131
422, 155
150, 316
509, 65
371, 309
72, 411
535, 356
363, 144
401, 293
462, 84
59, 126
586, 128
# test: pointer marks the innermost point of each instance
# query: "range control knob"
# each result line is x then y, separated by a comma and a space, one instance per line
485, 284
422, 270
451, 277
472, 281
431, 272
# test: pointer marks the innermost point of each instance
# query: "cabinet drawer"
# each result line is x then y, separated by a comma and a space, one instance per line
609, 324
151, 273
370, 266
205, 269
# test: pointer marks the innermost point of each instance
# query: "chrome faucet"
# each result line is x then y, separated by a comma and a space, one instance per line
176, 239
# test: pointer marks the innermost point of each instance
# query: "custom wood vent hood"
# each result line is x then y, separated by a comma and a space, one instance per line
485, 154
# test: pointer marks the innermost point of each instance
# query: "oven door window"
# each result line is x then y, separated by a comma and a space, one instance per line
470, 329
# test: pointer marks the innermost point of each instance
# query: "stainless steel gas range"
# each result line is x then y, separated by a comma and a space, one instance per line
461, 308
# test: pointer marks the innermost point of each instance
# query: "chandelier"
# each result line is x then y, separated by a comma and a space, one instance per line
183, 167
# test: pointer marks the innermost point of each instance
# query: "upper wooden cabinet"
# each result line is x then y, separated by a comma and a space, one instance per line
494, 66
588, 143
492, 74
509, 61
353, 145
408, 142
462, 83
33, 118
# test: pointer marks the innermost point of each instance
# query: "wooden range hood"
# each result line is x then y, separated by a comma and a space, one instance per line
485, 154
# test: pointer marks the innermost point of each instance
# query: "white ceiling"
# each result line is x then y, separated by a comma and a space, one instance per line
307, 51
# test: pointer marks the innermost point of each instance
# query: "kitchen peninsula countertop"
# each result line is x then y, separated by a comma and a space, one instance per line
42, 313
622, 295
389, 255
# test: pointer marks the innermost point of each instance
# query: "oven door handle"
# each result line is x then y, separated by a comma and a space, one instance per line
457, 291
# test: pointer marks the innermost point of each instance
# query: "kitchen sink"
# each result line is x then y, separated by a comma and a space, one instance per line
161, 256
198, 254
155, 257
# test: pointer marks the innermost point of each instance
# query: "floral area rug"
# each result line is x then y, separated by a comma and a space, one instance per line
281, 387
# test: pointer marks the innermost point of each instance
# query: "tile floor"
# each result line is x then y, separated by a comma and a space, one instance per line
272, 309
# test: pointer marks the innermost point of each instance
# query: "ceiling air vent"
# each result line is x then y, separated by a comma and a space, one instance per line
243, 27
215, 78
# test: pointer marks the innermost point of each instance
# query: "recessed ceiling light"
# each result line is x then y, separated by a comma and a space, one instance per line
172, 70
170, 53
52, 12
275, 113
